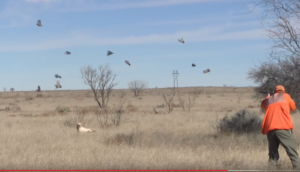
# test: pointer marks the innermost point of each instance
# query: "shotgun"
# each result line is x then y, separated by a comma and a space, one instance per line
266, 92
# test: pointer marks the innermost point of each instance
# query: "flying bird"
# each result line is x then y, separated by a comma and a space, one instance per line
181, 40
81, 129
39, 23
127, 62
109, 53
193, 65
58, 85
67, 52
206, 71
57, 76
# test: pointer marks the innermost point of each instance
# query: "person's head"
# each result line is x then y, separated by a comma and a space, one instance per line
279, 89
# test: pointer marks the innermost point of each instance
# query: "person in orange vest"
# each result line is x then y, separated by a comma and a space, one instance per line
278, 125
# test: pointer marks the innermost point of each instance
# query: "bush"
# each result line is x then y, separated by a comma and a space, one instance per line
70, 122
137, 86
62, 109
127, 139
242, 122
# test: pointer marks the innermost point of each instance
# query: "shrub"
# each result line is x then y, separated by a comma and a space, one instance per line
62, 109
137, 86
243, 121
118, 139
13, 107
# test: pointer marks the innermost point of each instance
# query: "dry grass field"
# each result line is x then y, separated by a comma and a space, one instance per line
38, 131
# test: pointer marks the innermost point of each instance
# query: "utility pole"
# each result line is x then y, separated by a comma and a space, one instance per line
175, 79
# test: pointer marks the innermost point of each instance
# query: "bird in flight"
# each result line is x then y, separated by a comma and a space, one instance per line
206, 71
58, 85
57, 76
39, 23
67, 52
109, 53
181, 40
193, 65
127, 62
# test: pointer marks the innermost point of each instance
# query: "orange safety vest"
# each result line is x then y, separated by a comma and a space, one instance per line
278, 117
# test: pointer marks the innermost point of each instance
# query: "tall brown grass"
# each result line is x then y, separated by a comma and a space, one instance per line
176, 140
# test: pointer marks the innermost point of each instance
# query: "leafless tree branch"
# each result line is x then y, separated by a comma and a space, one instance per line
101, 82
169, 101
137, 86
280, 19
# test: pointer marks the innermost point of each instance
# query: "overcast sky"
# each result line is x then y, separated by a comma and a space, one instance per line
220, 35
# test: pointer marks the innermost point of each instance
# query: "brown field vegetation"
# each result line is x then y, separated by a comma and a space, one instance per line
38, 131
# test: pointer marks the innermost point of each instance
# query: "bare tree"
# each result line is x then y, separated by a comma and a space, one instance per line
169, 101
4, 89
102, 117
12, 89
181, 102
117, 111
197, 92
137, 86
80, 114
283, 28
189, 103
101, 82
284, 72
281, 19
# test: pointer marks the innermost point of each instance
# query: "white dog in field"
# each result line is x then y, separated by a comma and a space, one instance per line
81, 129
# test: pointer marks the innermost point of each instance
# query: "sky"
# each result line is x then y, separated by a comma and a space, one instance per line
224, 36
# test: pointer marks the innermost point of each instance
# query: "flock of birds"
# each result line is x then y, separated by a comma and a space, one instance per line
39, 23
81, 129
